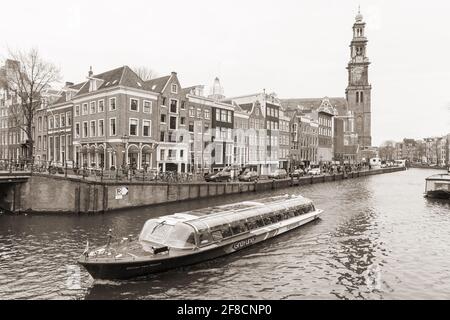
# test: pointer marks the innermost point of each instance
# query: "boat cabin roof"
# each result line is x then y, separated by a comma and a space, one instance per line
439, 177
232, 213
177, 230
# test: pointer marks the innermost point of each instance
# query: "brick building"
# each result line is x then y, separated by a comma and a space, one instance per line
113, 121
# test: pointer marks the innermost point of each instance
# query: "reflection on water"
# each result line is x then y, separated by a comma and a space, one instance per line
378, 238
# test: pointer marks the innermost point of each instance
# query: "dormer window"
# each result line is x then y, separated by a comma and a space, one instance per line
92, 85
174, 88
68, 95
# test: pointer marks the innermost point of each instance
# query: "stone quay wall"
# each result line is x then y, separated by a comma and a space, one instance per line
55, 194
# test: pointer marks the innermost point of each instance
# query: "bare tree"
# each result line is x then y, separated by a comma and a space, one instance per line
28, 77
145, 73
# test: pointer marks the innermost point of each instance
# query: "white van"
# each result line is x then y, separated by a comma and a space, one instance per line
400, 163
375, 163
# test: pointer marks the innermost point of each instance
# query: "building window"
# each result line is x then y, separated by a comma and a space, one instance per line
85, 109
85, 129
63, 120
101, 105
112, 104
50, 123
164, 101
56, 122
181, 154
191, 126
361, 97
77, 110
163, 118
134, 105
146, 128
207, 115
147, 108
191, 112
161, 156
223, 115
173, 123
101, 127
174, 88
93, 126
182, 121
173, 106
93, 108
134, 127
230, 116
217, 114
183, 105
112, 126
69, 119
77, 130
39, 123
162, 135
199, 113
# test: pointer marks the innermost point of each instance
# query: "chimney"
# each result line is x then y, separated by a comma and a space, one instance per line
174, 73
90, 74
69, 84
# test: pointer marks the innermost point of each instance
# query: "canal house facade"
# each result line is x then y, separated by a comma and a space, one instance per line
113, 116
172, 144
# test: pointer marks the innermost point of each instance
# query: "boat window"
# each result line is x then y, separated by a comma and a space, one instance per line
251, 224
267, 220
260, 222
280, 216
291, 213
155, 231
204, 237
239, 227
274, 218
181, 236
224, 231
217, 235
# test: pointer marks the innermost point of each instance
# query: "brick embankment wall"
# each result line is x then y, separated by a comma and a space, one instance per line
53, 194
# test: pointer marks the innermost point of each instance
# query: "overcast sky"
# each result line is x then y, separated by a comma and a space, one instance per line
294, 48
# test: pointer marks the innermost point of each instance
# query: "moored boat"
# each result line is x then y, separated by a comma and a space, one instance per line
191, 237
438, 186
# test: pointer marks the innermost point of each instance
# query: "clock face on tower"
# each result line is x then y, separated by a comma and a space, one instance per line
357, 73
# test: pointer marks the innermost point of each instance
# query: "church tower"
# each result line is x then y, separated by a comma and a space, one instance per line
358, 92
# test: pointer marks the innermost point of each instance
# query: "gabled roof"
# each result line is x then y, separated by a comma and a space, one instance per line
314, 103
157, 84
122, 76
247, 106
62, 98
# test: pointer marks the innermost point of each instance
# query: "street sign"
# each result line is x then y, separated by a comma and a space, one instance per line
120, 192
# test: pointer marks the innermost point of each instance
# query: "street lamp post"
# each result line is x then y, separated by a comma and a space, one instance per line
125, 138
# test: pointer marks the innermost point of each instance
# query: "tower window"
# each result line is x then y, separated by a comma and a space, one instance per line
361, 97
357, 96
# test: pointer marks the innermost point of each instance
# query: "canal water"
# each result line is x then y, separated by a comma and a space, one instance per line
378, 238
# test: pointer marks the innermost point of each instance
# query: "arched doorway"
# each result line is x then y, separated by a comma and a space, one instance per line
100, 156
133, 156
146, 161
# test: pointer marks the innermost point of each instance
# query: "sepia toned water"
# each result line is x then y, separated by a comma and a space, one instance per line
378, 238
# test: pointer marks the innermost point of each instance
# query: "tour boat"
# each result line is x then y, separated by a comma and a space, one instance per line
195, 236
438, 186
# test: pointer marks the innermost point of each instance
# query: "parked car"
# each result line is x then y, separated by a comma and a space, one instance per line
315, 172
278, 174
248, 176
219, 176
298, 173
